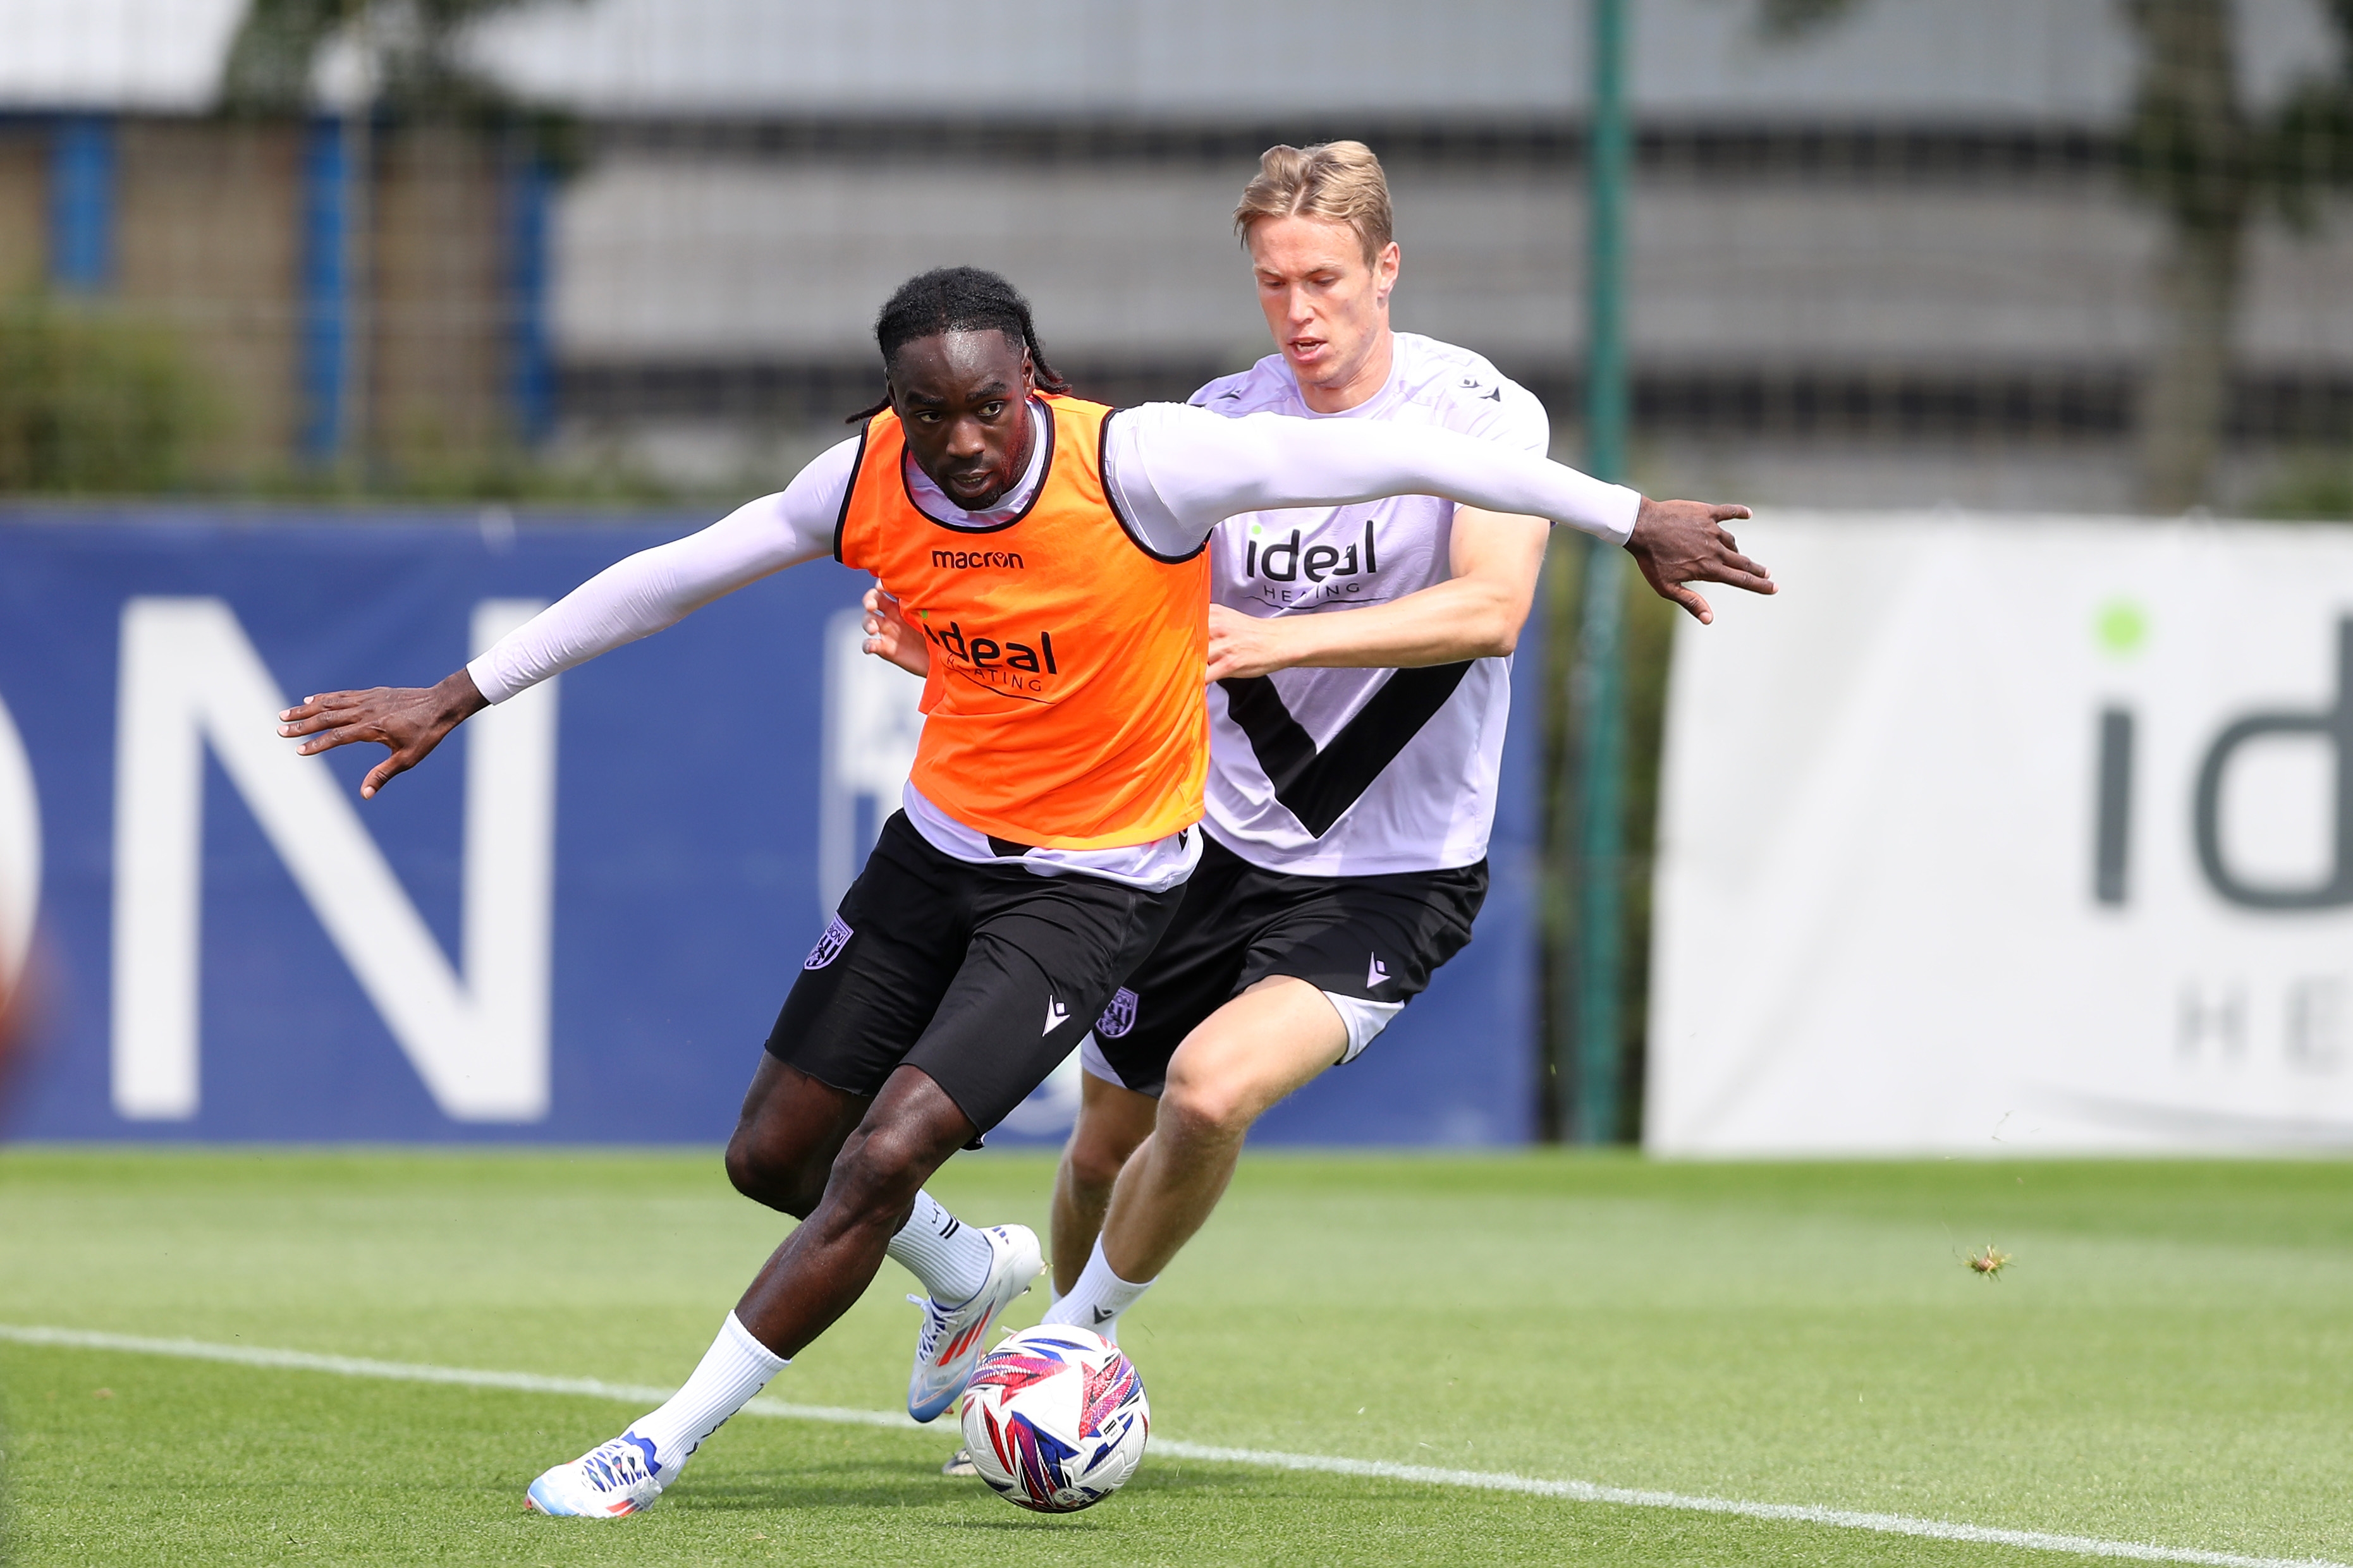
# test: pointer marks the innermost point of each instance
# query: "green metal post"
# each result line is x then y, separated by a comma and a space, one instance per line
1609, 159
1600, 679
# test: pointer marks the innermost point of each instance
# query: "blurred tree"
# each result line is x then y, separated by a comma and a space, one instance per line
2209, 163
420, 138
409, 49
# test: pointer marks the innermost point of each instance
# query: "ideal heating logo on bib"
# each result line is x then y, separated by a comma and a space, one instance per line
1019, 668
1282, 571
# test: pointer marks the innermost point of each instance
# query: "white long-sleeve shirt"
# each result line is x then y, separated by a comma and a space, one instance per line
1177, 471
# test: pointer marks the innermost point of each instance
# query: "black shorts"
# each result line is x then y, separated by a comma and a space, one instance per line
983, 976
1374, 940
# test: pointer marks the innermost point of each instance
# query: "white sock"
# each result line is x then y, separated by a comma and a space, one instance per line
949, 1257
734, 1368
1098, 1299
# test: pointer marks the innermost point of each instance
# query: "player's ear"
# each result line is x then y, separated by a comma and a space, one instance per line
1385, 270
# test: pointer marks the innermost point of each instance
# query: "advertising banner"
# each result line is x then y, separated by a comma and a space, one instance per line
2010, 836
575, 922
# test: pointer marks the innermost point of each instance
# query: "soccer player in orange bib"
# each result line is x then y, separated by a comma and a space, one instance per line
1051, 552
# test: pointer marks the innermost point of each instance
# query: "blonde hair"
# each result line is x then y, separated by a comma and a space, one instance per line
1338, 181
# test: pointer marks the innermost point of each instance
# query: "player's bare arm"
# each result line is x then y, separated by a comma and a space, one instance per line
1477, 612
407, 721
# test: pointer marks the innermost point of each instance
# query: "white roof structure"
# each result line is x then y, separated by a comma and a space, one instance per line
158, 56
2021, 62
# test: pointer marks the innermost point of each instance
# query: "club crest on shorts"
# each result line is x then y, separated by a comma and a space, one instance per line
1119, 1017
828, 946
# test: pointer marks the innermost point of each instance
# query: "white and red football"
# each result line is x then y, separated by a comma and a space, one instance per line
1055, 1418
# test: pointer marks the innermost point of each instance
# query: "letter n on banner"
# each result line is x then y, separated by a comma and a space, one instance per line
189, 677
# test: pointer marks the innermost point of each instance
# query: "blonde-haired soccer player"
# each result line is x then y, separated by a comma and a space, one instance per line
1359, 661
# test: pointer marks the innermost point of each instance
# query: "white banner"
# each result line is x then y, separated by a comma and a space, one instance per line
2010, 836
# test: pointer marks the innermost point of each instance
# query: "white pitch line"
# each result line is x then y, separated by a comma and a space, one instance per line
1326, 1464
417, 1372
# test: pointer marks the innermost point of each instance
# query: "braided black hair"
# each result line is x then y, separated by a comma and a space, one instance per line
958, 299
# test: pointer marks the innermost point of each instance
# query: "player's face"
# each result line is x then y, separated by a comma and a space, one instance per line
1325, 304
964, 398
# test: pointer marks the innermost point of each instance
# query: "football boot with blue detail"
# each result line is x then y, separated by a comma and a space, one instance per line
611, 1479
953, 1338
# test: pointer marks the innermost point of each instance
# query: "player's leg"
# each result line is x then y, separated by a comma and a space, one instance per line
862, 1000
796, 1121
1266, 1044
1042, 964
787, 1135
1332, 961
776, 1160
909, 1132
1195, 969
826, 1263
1112, 1120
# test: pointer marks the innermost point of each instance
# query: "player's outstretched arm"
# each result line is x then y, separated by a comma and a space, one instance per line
408, 720
1476, 613
1194, 468
1679, 542
630, 599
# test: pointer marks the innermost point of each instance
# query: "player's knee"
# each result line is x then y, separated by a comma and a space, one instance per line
880, 1168
745, 1170
756, 1177
1195, 1109
1094, 1161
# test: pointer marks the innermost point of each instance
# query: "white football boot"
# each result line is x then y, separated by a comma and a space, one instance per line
951, 1342
611, 1479
960, 1464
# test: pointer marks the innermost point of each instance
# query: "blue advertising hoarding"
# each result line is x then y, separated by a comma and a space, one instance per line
574, 923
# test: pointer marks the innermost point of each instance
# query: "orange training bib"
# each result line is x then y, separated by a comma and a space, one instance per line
1066, 704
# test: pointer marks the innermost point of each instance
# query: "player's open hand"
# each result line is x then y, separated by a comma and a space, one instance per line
888, 634
409, 720
1679, 542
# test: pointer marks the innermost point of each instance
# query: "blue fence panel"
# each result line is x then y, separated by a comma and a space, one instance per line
82, 190
687, 784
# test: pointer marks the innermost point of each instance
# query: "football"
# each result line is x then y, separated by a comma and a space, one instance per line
1055, 1419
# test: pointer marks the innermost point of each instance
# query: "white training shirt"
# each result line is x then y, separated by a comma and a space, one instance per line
1175, 472
1353, 772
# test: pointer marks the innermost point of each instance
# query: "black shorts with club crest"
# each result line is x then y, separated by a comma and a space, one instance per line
1376, 939
984, 977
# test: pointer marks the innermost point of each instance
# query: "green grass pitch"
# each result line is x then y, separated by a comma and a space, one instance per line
2169, 1360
